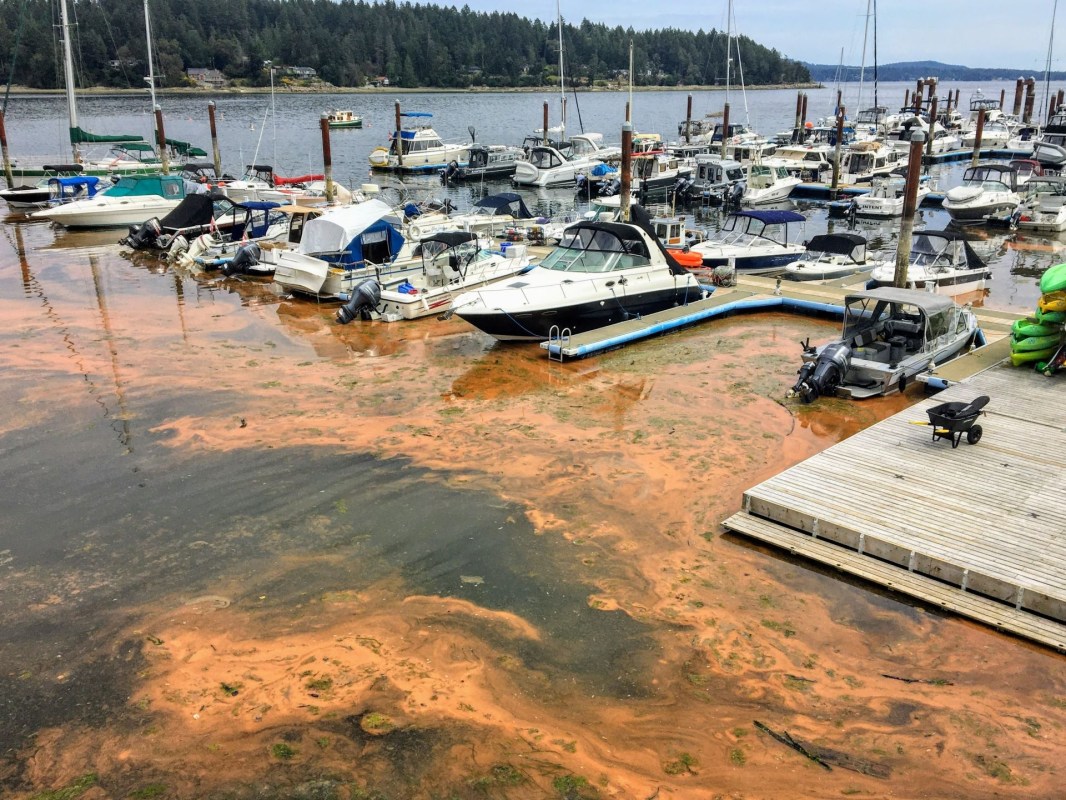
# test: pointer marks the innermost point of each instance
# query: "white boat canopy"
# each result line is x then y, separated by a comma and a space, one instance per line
335, 230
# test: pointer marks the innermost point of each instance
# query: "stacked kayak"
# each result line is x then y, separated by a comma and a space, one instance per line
1041, 339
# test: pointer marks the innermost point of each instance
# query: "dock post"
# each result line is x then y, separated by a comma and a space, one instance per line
1050, 110
932, 124
1030, 100
977, 137
161, 140
627, 168
803, 118
327, 157
907, 99
1060, 98
399, 136
628, 118
798, 127
688, 121
545, 128
919, 94
1002, 98
214, 139
910, 205
7, 158
836, 153
725, 127
1018, 84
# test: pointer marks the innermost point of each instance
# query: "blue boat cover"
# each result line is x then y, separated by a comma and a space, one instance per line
772, 217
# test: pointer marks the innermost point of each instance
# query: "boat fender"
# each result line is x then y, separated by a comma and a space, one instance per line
903, 383
247, 256
365, 298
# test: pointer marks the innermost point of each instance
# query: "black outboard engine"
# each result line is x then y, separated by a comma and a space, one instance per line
365, 298
736, 193
143, 237
448, 173
247, 256
822, 376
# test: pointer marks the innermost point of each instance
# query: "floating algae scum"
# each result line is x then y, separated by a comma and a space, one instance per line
888, 505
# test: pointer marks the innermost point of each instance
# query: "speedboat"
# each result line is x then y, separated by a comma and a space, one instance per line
866, 160
341, 247
452, 262
987, 189
885, 198
490, 216
558, 165
889, 336
940, 261
1044, 206
755, 242
131, 201
252, 249
23, 198
600, 273
418, 149
830, 256
485, 161
1050, 148
768, 183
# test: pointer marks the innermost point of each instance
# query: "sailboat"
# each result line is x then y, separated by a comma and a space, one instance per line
129, 155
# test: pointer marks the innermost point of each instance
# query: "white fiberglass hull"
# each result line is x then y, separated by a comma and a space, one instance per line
105, 212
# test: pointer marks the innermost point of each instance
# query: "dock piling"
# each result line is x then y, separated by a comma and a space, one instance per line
161, 140
910, 203
839, 144
399, 136
3, 148
977, 137
214, 139
1018, 84
545, 128
627, 168
688, 121
725, 127
932, 124
327, 157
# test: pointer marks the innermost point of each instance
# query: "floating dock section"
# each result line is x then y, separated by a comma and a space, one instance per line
978, 530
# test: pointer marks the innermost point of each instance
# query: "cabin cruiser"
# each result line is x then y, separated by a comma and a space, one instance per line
131, 201
830, 256
987, 189
889, 336
548, 165
344, 118
754, 242
253, 249
940, 261
484, 161
1050, 148
995, 133
452, 262
886, 196
418, 149
712, 180
767, 183
863, 161
490, 216
651, 173
806, 162
1043, 208
600, 273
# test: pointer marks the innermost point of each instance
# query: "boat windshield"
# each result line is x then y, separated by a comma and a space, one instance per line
928, 250
993, 180
585, 249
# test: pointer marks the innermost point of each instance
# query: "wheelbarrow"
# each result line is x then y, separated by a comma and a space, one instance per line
952, 421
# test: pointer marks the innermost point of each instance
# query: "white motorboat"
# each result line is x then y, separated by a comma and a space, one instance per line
131, 201
889, 336
548, 165
452, 262
713, 179
418, 149
863, 161
886, 196
806, 161
485, 161
995, 133
253, 250
490, 216
767, 183
601, 273
830, 256
941, 262
1050, 148
987, 189
1044, 206
754, 242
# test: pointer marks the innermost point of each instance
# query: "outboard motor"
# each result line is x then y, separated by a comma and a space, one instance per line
736, 193
823, 375
143, 237
247, 256
448, 173
365, 298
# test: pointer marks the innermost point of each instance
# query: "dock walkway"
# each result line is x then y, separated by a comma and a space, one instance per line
976, 530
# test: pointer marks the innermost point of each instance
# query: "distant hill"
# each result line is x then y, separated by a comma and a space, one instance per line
913, 70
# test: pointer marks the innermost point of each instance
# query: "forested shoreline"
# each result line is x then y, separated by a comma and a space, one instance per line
351, 43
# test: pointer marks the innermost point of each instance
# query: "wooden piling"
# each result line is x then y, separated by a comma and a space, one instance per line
1018, 84
688, 121
214, 139
628, 118
977, 137
1030, 100
399, 135
545, 128
932, 126
327, 157
796, 129
839, 145
627, 168
725, 127
1002, 97
161, 140
907, 99
910, 204
1060, 97
3, 149
803, 116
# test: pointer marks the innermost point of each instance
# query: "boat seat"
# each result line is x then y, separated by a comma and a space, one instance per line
864, 338
874, 351
905, 327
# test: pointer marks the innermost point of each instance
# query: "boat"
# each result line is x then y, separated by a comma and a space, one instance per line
863, 161
986, 189
886, 197
767, 183
23, 198
452, 262
344, 118
600, 273
548, 165
253, 249
754, 242
807, 162
131, 201
417, 149
940, 261
830, 256
491, 216
485, 161
889, 337
1043, 208
713, 180
341, 247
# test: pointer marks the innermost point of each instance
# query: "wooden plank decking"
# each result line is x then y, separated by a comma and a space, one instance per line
978, 529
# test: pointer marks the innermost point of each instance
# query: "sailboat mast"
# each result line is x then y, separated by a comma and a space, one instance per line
68, 74
876, 105
151, 69
1050, 45
562, 75
728, 45
862, 70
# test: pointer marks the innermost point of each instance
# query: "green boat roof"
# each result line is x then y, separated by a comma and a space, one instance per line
143, 185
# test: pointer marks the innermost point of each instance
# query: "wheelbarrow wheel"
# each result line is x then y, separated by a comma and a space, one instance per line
973, 436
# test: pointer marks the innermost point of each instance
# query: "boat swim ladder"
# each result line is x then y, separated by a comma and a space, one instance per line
557, 339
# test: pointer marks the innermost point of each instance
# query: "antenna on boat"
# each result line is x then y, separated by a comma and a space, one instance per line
151, 67
875, 55
630, 80
862, 69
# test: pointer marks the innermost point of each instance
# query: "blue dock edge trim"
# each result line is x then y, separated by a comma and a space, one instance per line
743, 305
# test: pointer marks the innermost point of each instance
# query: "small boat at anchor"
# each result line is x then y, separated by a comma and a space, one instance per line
889, 337
830, 256
344, 118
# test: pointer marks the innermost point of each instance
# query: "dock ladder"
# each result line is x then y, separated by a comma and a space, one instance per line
557, 339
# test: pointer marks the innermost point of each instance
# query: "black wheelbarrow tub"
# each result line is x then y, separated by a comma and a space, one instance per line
952, 420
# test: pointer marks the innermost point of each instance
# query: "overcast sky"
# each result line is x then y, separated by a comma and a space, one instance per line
974, 33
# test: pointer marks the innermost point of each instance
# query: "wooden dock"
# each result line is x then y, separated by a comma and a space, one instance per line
978, 530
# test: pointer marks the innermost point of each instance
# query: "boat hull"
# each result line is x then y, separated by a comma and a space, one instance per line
107, 215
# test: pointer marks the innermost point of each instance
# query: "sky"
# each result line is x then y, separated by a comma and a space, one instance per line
973, 33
